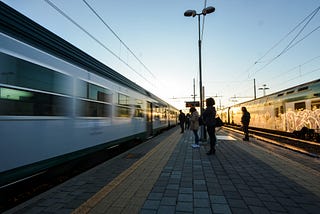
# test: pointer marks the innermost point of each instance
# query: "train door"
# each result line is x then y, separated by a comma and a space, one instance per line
149, 120
279, 117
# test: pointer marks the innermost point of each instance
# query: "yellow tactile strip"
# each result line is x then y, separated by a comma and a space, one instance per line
304, 176
127, 192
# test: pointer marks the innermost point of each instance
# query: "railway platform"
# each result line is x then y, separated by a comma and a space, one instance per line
166, 175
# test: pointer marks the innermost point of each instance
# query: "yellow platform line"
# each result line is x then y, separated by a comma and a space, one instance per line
149, 167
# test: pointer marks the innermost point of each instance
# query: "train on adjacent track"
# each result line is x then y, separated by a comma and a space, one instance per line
294, 110
57, 103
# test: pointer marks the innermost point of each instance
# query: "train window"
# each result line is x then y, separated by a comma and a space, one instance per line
16, 102
281, 110
87, 108
289, 92
303, 88
123, 108
122, 111
98, 93
164, 112
315, 105
93, 92
96, 101
138, 112
123, 99
25, 74
300, 106
276, 112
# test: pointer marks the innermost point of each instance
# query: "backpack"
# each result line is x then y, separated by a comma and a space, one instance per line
218, 122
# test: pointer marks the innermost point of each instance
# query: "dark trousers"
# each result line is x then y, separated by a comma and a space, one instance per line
196, 137
212, 137
182, 127
246, 132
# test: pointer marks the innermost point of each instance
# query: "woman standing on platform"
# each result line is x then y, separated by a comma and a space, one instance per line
194, 126
209, 116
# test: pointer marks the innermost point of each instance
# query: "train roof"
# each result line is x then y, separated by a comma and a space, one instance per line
287, 91
24, 29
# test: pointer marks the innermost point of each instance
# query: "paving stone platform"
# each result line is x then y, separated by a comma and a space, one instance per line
166, 175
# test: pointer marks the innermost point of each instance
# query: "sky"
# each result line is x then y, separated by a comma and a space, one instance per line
274, 42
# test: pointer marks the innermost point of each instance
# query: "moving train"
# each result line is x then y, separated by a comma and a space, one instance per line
57, 103
294, 110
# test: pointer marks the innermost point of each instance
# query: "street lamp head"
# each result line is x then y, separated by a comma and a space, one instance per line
208, 10
192, 13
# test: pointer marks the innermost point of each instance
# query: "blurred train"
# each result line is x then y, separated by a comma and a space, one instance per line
57, 103
295, 110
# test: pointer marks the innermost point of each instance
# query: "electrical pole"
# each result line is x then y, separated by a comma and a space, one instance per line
254, 89
264, 88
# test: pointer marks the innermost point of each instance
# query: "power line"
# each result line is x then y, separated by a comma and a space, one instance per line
112, 31
297, 66
309, 72
268, 63
290, 45
94, 38
294, 44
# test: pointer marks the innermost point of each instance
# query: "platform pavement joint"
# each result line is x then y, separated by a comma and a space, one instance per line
231, 181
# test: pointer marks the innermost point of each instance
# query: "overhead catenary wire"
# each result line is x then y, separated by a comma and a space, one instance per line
94, 38
269, 62
290, 32
294, 69
115, 34
290, 44
307, 73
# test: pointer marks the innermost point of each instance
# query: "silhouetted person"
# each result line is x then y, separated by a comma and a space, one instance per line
209, 116
245, 120
188, 121
182, 120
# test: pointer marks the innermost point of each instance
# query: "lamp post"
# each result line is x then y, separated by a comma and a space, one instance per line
193, 13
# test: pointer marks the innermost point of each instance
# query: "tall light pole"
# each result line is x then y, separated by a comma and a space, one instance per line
193, 13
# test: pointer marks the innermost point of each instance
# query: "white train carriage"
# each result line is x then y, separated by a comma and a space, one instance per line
290, 110
58, 103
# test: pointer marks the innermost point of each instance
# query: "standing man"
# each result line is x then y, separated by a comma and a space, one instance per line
182, 120
245, 120
209, 116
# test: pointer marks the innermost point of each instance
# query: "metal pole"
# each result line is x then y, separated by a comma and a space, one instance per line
254, 89
194, 91
200, 76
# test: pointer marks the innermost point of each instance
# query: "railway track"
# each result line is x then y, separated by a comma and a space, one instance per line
309, 148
